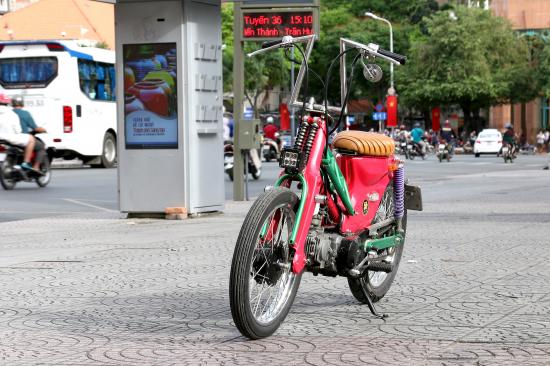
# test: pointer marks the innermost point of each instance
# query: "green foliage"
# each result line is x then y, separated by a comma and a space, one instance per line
475, 61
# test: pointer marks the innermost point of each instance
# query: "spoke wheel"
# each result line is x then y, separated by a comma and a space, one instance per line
377, 283
262, 285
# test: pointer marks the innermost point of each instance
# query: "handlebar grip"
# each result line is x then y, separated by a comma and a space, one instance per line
397, 57
271, 43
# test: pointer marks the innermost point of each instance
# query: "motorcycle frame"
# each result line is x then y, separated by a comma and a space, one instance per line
321, 160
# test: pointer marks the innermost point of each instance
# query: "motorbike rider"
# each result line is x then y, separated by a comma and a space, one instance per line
270, 131
10, 131
447, 135
416, 134
509, 138
29, 126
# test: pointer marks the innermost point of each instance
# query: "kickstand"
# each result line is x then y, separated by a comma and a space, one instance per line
370, 304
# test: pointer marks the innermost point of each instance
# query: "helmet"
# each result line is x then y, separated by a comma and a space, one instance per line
17, 101
508, 126
417, 124
4, 99
269, 119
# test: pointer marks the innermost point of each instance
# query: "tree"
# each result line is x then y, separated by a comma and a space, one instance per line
474, 60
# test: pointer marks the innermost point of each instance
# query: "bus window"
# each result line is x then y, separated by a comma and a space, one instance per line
96, 80
27, 72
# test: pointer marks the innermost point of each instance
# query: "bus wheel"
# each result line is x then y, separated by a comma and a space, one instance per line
108, 157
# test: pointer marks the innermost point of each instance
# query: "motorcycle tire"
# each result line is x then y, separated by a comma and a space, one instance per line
440, 158
230, 174
379, 289
263, 259
448, 158
5, 168
44, 180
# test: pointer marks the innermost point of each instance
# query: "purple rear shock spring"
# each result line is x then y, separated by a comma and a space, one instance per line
399, 192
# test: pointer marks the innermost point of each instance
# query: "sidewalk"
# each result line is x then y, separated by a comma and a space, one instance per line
102, 290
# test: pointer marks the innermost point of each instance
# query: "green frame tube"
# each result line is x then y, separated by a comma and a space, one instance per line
337, 179
293, 177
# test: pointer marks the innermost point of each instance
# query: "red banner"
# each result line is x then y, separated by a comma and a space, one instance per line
436, 119
391, 108
285, 117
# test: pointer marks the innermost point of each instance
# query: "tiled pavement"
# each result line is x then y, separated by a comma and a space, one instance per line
473, 289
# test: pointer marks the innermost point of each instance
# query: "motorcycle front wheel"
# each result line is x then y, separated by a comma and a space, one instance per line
6, 180
262, 285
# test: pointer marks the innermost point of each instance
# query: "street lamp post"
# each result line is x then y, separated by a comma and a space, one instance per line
374, 16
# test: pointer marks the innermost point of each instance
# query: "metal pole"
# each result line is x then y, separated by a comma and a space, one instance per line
391, 50
238, 96
292, 117
245, 152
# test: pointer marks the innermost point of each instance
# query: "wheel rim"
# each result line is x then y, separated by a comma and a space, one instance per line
109, 150
385, 211
271, 278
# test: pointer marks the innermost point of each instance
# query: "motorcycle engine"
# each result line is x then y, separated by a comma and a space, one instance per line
322, 250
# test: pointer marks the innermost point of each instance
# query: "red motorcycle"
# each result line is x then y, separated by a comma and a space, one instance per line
336, 209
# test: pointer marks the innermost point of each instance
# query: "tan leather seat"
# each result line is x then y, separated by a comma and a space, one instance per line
365, 143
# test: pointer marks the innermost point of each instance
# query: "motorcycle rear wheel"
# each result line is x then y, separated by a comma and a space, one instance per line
5, 171
377, 284
44, 180
262, 285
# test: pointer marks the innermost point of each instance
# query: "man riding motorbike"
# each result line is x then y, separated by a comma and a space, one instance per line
447, 136
416, 134
509, 139
10, 131
29, 126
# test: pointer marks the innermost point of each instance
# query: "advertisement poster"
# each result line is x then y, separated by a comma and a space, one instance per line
150, 96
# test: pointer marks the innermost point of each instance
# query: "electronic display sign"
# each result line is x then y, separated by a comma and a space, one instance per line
262, 25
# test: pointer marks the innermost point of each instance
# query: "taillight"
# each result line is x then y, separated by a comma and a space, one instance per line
2, 148
1, 47
478, 142
67, 119
500, 141
56, 47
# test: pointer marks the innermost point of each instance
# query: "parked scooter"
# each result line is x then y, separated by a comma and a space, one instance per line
11, 171
444, 151
270, 148
253, 157
336, 209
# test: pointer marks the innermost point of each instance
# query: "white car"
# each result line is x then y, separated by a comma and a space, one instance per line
489, 141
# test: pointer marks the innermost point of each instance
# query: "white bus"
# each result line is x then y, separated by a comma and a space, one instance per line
70, 91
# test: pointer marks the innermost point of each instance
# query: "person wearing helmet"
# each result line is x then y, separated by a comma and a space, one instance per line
416, 134
509, 138
10, 131
270, 129
29, 126
447, 132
